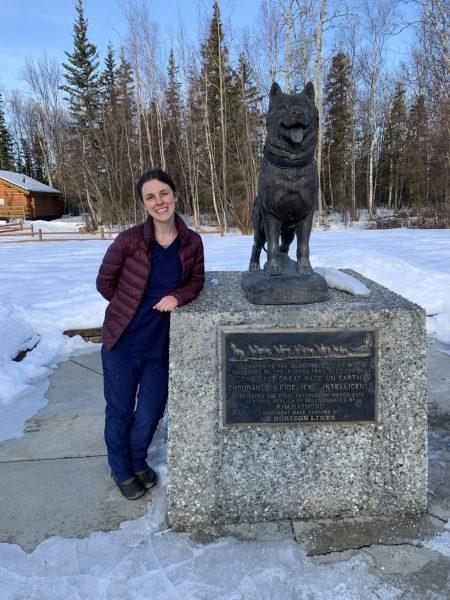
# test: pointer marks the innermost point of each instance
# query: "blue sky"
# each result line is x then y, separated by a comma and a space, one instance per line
32, 27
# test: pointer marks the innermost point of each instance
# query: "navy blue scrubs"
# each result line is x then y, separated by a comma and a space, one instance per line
138, 363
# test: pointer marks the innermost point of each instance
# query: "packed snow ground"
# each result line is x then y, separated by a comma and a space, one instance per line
47, 288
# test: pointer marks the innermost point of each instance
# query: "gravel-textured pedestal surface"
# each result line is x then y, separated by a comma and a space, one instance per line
261, 472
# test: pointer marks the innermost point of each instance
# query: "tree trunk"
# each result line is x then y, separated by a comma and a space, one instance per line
212, 171
223, 134
287, 49
304, 40
389, 203
318, 34
159, 125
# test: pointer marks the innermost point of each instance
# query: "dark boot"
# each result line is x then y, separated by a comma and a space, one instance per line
148, 479
131, 489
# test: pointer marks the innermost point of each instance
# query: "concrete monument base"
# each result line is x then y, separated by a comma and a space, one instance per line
219, 473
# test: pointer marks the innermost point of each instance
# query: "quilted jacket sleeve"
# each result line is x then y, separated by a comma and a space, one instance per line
111, 268
193, 287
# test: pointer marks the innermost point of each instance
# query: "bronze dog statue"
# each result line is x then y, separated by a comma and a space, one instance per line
288, 182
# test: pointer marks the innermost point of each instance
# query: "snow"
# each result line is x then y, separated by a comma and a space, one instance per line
342, 281
46, 288
25, 182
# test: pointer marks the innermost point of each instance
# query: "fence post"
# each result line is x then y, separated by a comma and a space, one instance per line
32, 229
40, 234
102, 233
21, 225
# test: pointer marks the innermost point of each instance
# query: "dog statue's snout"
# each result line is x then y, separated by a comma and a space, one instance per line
299, 116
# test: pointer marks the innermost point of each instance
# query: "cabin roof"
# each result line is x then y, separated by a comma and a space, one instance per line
26, 183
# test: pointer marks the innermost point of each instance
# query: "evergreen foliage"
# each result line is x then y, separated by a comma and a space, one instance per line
173, 138
391, 187
29, 161
416, 152
338, 134
81, 75
6, 143
246, 140
108, 83
125, 90
215, 66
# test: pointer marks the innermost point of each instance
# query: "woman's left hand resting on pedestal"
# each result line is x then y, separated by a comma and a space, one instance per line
166, 304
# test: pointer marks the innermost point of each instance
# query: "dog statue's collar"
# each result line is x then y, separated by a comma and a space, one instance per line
287, 163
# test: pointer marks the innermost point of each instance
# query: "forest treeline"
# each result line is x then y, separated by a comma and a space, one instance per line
196, 108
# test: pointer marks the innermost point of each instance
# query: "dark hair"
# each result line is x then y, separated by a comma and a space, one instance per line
158, 174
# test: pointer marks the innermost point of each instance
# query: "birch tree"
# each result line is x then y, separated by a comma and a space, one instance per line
378, 27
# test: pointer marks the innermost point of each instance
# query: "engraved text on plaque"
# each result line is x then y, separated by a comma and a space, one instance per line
283, 376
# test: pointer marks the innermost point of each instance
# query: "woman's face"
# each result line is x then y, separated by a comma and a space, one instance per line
159, 200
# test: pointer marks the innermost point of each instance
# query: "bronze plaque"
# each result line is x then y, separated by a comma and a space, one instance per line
295, 376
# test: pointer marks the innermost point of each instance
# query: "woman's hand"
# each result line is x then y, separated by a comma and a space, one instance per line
166, 304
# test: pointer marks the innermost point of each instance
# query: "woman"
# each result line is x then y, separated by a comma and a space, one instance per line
147, 271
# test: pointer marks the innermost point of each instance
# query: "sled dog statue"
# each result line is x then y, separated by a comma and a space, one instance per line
285, 203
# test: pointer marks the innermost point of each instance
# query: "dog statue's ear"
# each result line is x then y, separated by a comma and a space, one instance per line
308, 90
274, 90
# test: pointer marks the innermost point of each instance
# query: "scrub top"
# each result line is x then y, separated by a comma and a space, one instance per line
147, 335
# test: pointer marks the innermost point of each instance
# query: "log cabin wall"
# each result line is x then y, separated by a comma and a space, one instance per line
46, 206
16, 202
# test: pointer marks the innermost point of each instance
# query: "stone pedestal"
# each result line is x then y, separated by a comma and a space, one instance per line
247, 473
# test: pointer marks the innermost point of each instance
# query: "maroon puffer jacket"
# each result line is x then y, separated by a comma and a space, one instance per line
124, 272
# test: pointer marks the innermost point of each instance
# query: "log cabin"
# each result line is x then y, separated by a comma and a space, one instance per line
22, 197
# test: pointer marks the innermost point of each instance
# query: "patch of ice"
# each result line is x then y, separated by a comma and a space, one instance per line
440, 543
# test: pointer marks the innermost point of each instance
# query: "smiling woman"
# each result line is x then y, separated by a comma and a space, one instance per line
146, 272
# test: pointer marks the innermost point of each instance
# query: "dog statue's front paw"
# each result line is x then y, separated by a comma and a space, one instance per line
272, 268
253, 266
304, 268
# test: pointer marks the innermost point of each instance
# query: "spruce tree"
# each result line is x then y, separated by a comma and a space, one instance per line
417, 161
81, 75
215, 64
124, 77
26, 158
216, 82
245, 143
392, 155
338, 134
249, 97
82, 88
37, 163
173, 120
108, 83
126, 105
6, 145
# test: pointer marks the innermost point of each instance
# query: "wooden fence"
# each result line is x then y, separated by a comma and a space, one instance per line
19, 230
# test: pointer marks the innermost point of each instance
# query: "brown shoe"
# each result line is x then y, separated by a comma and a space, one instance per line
131, 489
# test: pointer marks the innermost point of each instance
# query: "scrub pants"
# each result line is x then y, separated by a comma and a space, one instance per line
131, 422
